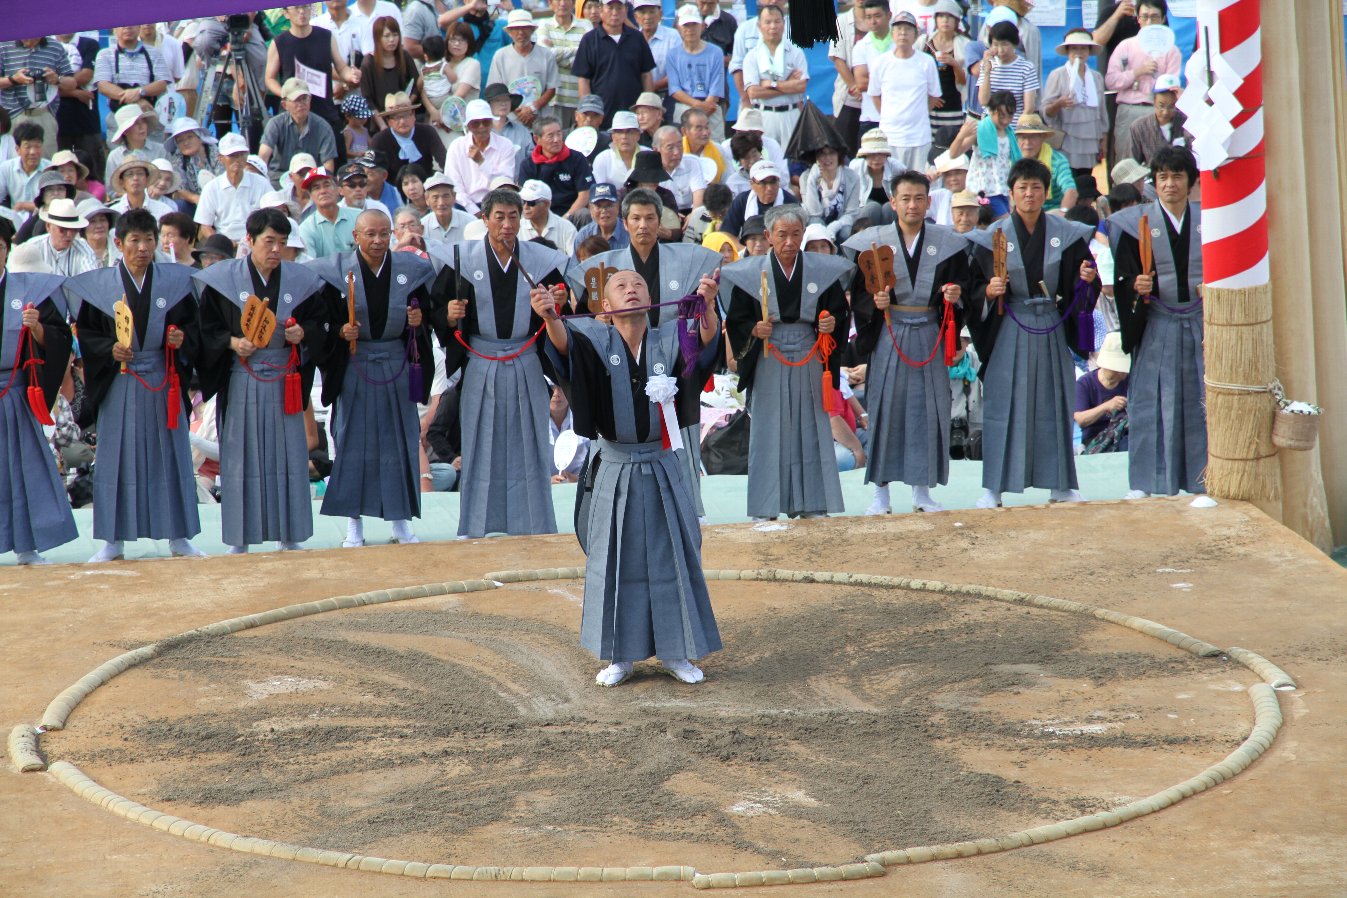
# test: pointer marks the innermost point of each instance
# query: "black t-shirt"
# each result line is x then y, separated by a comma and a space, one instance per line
314, 52
73, 117
1127, 27
613, 67
566, 178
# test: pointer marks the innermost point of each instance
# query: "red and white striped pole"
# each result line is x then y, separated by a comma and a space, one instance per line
1238, 349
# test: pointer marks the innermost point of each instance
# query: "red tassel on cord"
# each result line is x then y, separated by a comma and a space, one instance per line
832, 397
37, 401
947, 331
174, 392
294, 387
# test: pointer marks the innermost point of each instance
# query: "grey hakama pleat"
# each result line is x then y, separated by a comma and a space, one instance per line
909, 407
34, 509
1028, 394
144, 485
506, 444
1166, 417
644, 590
264, 457
792, 467
377, 435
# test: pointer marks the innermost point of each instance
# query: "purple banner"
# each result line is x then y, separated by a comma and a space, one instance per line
21, 19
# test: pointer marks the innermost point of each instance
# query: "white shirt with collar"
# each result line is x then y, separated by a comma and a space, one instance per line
452, 234
559, 231
688, 178
226, 208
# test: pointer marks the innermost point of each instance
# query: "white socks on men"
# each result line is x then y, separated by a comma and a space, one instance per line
355, 534
615, 673
880, 504
922, 501
238, 550
184, 549
111, 551
1137, 494
989, 499
31, 558
683, 670
402, 532
1065, 496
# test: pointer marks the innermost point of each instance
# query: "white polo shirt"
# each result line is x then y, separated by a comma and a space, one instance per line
226, 208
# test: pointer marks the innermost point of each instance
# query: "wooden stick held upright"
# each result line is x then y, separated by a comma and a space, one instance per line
999, 268
766, 315
124, 323
1145, 249
350, 303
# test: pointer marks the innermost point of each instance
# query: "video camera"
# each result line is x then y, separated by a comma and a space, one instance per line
239, 24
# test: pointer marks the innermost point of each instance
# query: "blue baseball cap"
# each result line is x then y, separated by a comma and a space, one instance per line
603, 193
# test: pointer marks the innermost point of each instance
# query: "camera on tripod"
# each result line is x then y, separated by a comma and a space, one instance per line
239, 24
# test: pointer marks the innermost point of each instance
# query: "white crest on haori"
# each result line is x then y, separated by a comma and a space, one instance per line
615, 360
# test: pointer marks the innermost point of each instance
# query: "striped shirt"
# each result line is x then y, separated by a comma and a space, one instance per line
1018, 77
15, 57
563, 43
134, 68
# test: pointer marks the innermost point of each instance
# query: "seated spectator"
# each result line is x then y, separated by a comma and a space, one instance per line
745, 150
18, 176
192, 151
101, 219
604, 222
411, 184
355, 135
132, 180
765, 191
876, 168
445, 221
504, 122
1165, 128
408, 232
59, 249
817, 239
687, 179
964, 208
296, 131
331, 227
228, 200
478, 156
540, 221
753, 236
830, 192
51, 185
750, 121
1037, 141
708, 216
730, 249
406, 140
215, 248
564, 171
614, 164
375, 165
1101, 400
591, 246
698, 141
177, 239
131, 138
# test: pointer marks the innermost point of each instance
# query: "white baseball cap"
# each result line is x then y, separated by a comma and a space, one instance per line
272, 199
534, 190
688, 15
300, 161
1166, 83
764, 169
233, 143
477, 110
439, 179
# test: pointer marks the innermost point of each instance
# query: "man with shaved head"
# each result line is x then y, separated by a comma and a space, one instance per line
630, 390
376, 432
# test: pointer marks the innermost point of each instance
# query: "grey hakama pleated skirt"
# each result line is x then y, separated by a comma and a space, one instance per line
644, 590
691, 456
1166, 418
1028, 392
144, 485
506, 483
909, 407
34, 509
375, 468
792, 467
264, 459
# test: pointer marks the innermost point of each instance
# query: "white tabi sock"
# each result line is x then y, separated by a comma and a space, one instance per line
31, 558
1137, 494
1065, 496
288, 547
238, 550
355, 533
922, 501
683, 670
614, 673
989, 499
111, 551
185, 549
880, 504
402, 532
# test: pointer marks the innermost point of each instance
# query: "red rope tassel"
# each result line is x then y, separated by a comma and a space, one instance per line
832, 397
950, 338
174, 401
294, 388
37, 401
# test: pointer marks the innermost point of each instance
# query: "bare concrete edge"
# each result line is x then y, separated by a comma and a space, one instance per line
1267, 722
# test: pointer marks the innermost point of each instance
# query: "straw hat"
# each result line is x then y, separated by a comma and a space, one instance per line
874, 142
750, 120
398, 102
1128, 171
1111, 355
127, 165
126, 116
68, 157
63, 213
1031, 123
964, 199
1078, 39
944, 164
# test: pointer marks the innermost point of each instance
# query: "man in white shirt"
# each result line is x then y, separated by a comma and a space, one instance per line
472, 161
746, 37
363, 14
687, 177
540, 221
905, 88
776, 75
228, 200
878, 42
443, 223
338, 20
846, 92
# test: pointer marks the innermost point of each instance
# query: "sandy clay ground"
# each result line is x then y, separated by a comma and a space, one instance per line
838, 721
